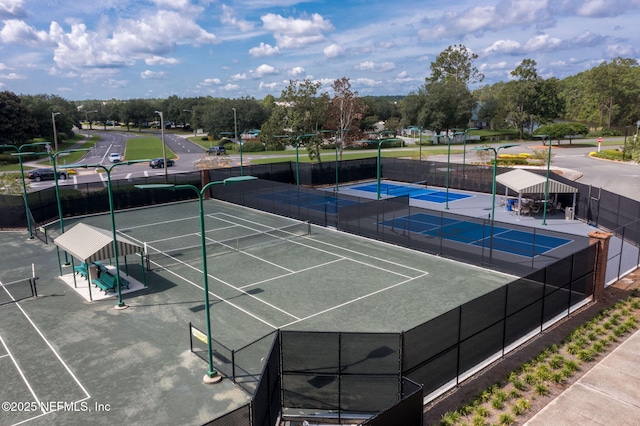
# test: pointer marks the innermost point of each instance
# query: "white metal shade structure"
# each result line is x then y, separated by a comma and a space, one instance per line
524, 182
90, 244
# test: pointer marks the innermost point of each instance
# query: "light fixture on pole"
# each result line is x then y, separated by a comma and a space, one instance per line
164, 148
212, 376
239, 142
546, 185
24, 183
55, 132
120, 305
493, 186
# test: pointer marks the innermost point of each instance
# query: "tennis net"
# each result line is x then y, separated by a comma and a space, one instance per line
192, 255
400, 190
17, 290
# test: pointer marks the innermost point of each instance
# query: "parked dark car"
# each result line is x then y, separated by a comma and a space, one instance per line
158, 163
217, 150
45, 174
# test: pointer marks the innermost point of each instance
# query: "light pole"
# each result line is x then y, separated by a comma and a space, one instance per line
54, 157
420, 143
212, 375
624, 148
164, 148
24, 184
107, 169
297, 143
235, 130
546, 185
378, 174
464, 150
493, 188
55, 132
446, 204
86, 115
336, 133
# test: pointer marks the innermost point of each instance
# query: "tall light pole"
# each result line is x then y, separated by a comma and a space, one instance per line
546, 185
24, 184
624, 147
378, 163
336, 133
53, 158
464, 151
212, 375
164, 148
107, 169
55, 132
297, 146
493, 187
86, 115
235, 130
446, 205
420, 143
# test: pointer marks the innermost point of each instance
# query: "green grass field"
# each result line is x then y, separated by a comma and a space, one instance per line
145, 148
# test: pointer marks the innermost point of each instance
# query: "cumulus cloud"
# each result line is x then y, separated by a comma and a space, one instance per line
296, 71
542, 42
16, 31
153, 75
210, 81
263, 70
293, 33
160, 60
333, 51
369, 82
376, 66
12, 76
621, 50
230, 87
237, 77
606, 8
263, 50
229, 18
267, 86
12, 9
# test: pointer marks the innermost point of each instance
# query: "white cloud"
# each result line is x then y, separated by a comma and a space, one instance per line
369, 82
263, 70
229, 87
373, 66
12, 76
333, 51
621, 50
160, 60
542, 42
18, 32
236, 77
296, 71
210, 81
294, 33
502, 47
229, 18
263, 50
153, 75
267, 86
12, 9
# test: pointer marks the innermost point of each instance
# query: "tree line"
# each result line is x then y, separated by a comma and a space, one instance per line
606, 97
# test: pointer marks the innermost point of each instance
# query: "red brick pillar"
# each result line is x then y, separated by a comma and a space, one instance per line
205, 178
602, 239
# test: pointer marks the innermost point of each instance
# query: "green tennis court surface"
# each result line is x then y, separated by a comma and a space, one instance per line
519, 242
419, 192
265, 272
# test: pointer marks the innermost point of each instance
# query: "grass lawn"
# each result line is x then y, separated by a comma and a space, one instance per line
145, 148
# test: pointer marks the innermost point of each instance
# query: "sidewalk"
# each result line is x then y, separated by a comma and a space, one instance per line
609, 394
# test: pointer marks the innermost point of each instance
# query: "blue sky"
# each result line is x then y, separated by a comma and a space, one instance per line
123, 49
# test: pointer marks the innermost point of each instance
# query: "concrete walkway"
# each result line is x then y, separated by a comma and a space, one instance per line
609, 394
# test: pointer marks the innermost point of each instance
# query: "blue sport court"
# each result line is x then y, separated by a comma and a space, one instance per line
518, 242
323, 203
418, 193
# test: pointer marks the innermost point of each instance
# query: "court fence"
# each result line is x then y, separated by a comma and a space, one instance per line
373, 377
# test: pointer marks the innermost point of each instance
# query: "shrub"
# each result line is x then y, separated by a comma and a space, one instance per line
450, 418
520, 407
253, 146
505, 419
542, 389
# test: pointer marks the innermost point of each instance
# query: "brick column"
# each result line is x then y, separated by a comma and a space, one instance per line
602, 239
205, 178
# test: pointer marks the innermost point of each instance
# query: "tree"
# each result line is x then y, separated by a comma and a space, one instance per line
455, 63
345, 112
17, 125
446, 105
561, 131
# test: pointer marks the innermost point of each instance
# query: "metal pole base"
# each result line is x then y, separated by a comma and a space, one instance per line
210, 379
121, 306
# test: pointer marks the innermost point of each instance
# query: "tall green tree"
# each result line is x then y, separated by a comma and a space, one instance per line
346, 111
455, 63
17, 125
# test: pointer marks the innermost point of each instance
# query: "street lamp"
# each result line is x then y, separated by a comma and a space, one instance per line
24, 184
164, 148
107, 169
55, 132
624, 148
493, 187
212, 375
54, 157
336, 132
379, 142
297, 145
546, 185
235, 130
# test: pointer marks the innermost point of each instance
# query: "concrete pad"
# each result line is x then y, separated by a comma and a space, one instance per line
91, 292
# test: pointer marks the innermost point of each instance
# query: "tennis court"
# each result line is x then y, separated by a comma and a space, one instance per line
326, 203
518, 242
418, 191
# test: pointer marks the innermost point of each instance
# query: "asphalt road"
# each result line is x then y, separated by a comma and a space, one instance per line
621, 178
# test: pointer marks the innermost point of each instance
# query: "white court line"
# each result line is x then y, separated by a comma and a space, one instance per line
294, 272
213, 294
353, 300
190, 234
24, 379
164, 222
